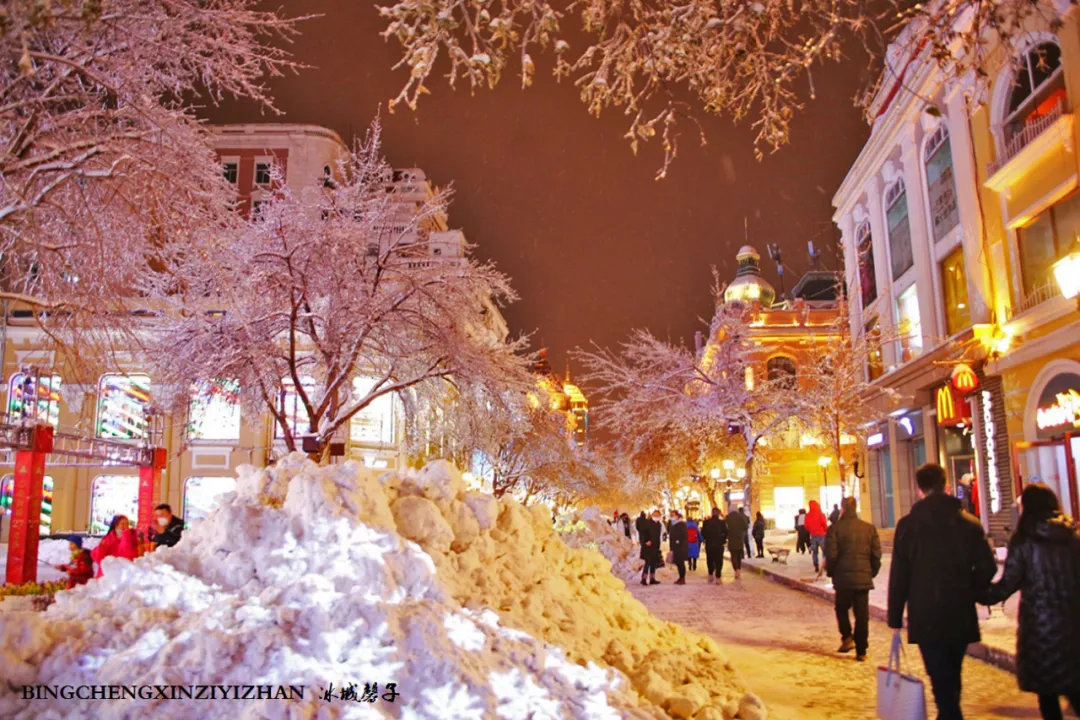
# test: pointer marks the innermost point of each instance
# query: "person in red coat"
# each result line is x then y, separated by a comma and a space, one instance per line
120, 541
817, 525
81, 567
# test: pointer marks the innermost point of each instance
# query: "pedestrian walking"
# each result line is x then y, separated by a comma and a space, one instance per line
650, 549
941, 563
714, 532
119, 541
746, 511
802, 539
834, 515
81, 567
759, 534
852, 560
737, 526
679, 544
171, 527
624, 521
639, 525
1044, 565
816, 526
693, 544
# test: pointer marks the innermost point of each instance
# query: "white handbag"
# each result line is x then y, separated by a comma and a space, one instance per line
899, 696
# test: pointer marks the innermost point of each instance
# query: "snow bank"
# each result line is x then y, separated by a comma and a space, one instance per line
57, 551
473, 607
590, 529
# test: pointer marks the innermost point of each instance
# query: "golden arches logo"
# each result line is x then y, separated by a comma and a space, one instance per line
946, 405
964, 379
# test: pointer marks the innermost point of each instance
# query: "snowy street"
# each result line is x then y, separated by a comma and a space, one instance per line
782, 642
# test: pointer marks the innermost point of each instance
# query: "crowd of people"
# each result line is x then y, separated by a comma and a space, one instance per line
121, 541
942, 567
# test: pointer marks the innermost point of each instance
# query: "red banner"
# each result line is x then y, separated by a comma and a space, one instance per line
25, 517
149, 477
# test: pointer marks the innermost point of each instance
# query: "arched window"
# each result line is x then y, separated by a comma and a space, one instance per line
940, 182
864, 247
896, 217
290, 403
7, 499
781, 371
214, 411
1038, 90
34, 398
123, 405
201, 496
113, 495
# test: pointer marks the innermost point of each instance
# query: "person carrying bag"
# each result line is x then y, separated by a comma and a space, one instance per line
899, 696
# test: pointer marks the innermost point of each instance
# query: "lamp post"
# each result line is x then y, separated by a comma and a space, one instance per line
1067, 274
824, 461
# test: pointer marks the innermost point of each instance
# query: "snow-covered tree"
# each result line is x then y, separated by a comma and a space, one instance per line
683, 408
332, 298
837, 399
104, 172
661, 61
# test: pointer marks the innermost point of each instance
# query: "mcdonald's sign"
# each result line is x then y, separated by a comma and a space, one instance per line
964, 380
952, 409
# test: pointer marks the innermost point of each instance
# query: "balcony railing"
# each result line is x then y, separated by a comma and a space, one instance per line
1018, 140
1039, 295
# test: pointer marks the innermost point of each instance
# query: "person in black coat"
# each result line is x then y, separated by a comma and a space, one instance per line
737, 526
624, 521
852, 560
941, 564
639, 524
1044, 565
650, 549
714, 535
759, 534
170, 527
679, 544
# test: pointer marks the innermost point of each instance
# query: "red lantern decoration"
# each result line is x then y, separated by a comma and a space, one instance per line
964, 380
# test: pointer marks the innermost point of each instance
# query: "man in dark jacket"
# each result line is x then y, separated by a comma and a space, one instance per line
714, 535
852, 560
737, 527
941, 563
650, 549
834, 515
678, 543
639, 524
169, 527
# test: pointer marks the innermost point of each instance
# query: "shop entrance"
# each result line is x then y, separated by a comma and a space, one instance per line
1054, 462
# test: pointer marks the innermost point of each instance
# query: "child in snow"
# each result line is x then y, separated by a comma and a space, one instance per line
120, 541
81, 567
693, 538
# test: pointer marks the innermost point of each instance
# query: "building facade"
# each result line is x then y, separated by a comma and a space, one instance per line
952, 218
205, 447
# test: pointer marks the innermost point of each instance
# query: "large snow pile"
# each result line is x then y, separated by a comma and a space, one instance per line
590, 529
473, 607
57, 551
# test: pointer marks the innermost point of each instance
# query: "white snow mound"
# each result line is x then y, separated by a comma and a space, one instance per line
590, 529
311, 576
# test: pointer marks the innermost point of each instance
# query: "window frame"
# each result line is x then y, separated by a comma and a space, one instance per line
915, 338
864, 235
190, 439
1028, 104
7, 480
791, 381
133, 517
893, 194
56, 382
184, 493
305, 381
935, 142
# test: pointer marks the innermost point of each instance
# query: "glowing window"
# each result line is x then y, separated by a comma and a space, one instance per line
201, 496
896, 215
941, 184
123, 404
292, 406
7, 498
113, 495
214, 411
34, 398
374, 425
909, 324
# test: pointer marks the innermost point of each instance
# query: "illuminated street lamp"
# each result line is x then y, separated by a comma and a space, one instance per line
741, 473
715, 473
729, 465
1067, 274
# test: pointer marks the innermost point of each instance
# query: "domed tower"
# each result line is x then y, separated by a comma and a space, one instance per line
748, 285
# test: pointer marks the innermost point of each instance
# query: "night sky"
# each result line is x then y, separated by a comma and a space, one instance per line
595, 246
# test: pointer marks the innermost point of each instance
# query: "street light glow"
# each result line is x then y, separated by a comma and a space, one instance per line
824, 460
715, 473
729, 465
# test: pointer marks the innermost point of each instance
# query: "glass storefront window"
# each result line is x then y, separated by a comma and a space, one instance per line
201, 496
214, 412
875, 362
374, 425
36, 399
909, 324
954, 289
113, 495
1047, 239
7, 498
123, 401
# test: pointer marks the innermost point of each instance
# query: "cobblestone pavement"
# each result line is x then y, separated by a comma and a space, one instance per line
782, 643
